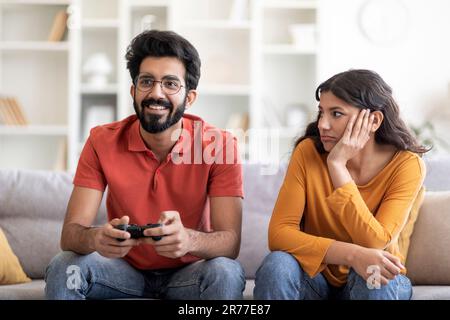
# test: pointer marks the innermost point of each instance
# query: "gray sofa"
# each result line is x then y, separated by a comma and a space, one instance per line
33, 203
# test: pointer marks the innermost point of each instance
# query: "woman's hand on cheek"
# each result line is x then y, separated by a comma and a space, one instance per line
355, 137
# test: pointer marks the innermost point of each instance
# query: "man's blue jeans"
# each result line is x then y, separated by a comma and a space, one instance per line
72, 276
280, 277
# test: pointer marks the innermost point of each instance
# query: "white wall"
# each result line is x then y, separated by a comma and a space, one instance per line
417, 66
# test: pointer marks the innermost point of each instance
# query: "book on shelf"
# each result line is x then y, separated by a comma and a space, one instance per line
61, 156
4, 113
11, 113
59, 26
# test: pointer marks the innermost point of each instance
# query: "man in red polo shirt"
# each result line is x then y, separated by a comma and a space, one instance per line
160, 166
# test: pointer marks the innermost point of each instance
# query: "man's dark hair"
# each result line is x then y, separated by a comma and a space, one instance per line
155, 43
365, 89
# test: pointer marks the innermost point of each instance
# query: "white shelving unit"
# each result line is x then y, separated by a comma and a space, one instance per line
285, 72
36, 72
96, 31
251, 69
34, 130
33, 46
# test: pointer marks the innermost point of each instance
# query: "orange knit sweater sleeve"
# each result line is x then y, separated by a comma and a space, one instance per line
284, 228
378, 229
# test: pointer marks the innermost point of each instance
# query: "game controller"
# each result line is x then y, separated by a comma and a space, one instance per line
137, 231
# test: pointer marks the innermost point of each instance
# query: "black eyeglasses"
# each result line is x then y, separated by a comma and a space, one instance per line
145, 83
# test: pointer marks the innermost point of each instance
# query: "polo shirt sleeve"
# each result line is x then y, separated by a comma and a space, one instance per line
225, 176
89, 172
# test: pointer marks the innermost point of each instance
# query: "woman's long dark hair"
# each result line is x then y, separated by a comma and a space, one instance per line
365, 89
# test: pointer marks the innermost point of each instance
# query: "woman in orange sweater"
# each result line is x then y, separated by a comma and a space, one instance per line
350, 185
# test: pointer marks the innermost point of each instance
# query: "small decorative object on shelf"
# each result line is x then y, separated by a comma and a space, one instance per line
97, 68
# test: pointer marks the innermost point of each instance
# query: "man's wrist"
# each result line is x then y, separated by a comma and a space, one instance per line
193, 240
90, 236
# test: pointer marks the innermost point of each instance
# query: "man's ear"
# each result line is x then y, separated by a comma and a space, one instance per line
378, 119
132, 90
190, 98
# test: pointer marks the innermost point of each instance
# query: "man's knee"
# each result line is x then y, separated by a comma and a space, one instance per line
224, 278
61, 262
64, 272
226, 269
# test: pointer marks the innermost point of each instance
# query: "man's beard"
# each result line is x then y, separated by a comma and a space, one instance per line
151, 122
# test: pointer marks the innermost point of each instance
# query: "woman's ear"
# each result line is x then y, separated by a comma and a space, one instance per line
378, 119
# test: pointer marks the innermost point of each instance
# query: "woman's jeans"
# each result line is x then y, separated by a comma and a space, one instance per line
280, 277
72, 276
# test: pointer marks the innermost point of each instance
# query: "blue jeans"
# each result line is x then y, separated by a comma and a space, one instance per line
72, 276
280, 277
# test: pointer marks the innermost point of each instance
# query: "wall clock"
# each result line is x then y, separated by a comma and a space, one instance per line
383, 22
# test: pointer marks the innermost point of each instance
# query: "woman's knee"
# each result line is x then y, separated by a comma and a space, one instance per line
279, 265
279, 277
398, 288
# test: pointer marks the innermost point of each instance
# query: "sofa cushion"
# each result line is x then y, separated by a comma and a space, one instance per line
438, 168
33, 290
405, 235
261, 186
32, 210
428, 259
11, 271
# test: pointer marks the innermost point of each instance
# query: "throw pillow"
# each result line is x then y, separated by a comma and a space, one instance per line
11, 271
405, 234
428, 255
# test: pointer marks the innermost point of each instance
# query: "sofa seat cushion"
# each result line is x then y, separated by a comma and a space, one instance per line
33, 290
248, 292
431, 293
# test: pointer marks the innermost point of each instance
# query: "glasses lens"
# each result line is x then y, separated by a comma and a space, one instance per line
144, 83
171, 86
